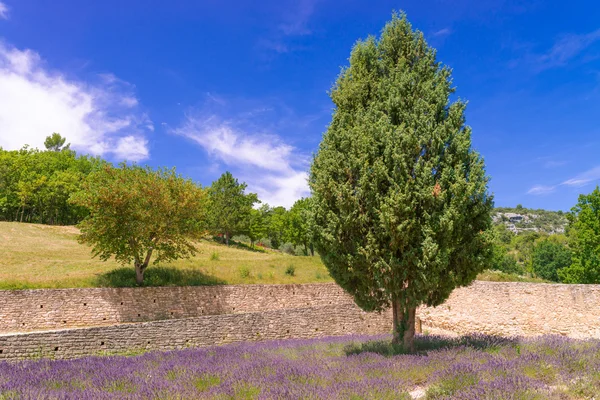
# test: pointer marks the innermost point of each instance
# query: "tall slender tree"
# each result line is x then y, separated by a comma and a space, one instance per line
399, 198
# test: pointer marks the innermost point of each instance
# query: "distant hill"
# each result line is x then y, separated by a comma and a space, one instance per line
521, 219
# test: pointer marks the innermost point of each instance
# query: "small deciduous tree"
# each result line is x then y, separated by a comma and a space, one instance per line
276, 225
584, 240
257, 224
400, 199
297, 228
229, 206
135, 212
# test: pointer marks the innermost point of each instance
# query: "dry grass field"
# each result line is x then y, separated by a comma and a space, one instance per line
43, 256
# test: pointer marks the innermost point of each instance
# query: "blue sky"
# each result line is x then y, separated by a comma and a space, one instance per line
209, 86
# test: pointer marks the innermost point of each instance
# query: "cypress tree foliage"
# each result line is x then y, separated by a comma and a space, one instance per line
401, 209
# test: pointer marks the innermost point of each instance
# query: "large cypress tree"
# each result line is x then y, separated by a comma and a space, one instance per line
400, 200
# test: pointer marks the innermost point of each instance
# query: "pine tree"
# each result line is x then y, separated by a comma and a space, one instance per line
400, 202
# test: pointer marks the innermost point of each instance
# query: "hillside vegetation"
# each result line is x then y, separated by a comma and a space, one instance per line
44, 256
535, 220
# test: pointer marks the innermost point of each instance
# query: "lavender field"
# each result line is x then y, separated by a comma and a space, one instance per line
356, 367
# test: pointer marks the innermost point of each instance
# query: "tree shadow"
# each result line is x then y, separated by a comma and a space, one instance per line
157, 276
238, 245
426, 343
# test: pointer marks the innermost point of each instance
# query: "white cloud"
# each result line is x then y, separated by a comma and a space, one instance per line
584, 178
580, 180
567, 47
3, 11
442, 32
101, 119
541, 190
271, 168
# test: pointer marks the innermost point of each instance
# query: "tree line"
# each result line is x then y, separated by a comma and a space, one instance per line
35, 185
57, 186
572, 257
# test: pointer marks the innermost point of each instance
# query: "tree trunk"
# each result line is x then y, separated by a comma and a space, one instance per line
404, 325
139, 273
305, 249
140, 267
312, 250
227, 238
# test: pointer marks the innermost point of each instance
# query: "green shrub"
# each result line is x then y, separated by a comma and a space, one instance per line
156, 276
290, 270
214, 256
244, 272
288, 248
241, 239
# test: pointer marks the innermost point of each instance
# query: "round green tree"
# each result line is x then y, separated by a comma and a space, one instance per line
137, 211
401, 209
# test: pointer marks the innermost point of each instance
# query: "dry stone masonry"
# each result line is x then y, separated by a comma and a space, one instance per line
43, 309
66, 323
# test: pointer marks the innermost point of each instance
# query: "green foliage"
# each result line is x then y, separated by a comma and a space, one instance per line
229, 208
288, 248
504, 262
214, 256
524, 243
257, 225
157, 276
550, 256
244, 272
35, 185
135, 211
297, 228
55, 142
276, 223
290, 270
399, 197
584, 240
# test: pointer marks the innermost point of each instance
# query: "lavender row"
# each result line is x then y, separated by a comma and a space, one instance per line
351, 367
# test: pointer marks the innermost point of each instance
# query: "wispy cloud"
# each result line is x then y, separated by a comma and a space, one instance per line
102, 118
580, 180
295, 23
3, 11
584, 178
442, 32
296, 20
541, 190
566, 48
272, 168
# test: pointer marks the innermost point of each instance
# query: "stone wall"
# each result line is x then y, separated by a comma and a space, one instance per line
34, 310
191, 332
514, 308
192, 316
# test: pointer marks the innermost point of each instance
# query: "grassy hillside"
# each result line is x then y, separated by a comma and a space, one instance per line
42, 256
